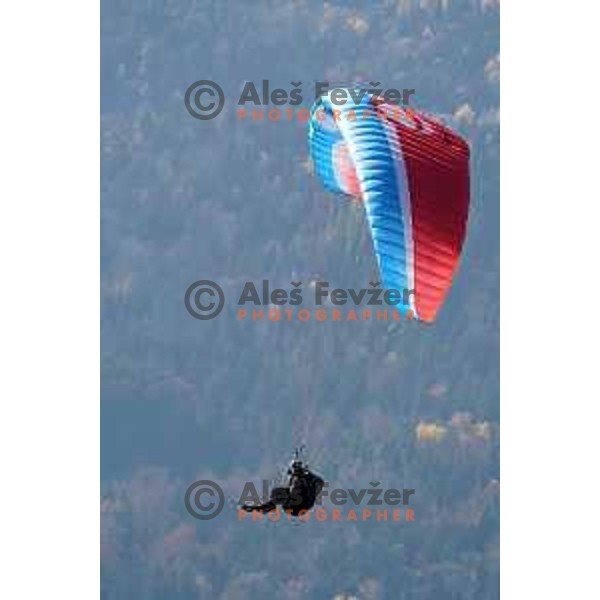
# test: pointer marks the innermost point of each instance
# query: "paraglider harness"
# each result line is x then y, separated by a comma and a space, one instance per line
300, 494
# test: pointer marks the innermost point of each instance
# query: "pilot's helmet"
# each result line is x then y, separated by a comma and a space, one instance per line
296, 468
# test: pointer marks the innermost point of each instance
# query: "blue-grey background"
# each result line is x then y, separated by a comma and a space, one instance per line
408, 405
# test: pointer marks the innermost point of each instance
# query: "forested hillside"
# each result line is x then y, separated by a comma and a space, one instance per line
407, 404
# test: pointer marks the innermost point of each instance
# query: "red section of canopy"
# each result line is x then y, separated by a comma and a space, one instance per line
437, 168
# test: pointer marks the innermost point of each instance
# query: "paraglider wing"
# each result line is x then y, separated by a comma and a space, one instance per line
412, 174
